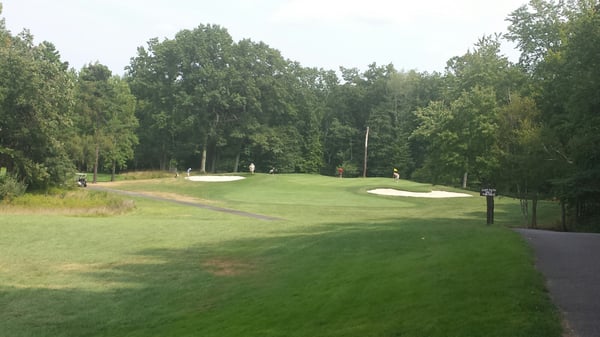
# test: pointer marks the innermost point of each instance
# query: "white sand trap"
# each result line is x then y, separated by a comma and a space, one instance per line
216, 179
432, 194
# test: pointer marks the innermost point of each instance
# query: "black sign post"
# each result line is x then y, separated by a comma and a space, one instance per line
489, 194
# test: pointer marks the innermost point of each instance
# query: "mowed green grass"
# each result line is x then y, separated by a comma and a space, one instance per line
339, 262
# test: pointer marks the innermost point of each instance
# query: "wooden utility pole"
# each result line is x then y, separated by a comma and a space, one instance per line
365, 162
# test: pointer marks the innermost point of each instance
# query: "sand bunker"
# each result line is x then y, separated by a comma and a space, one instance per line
214, 178
432, 194
380, 191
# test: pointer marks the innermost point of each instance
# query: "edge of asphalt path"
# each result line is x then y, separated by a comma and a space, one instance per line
570, 262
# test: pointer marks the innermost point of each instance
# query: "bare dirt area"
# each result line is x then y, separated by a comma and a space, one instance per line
177, 197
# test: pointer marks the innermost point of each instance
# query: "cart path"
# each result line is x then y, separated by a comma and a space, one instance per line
187, 203
570, 263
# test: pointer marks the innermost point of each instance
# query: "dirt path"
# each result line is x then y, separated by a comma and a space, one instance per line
187, 202
571, 264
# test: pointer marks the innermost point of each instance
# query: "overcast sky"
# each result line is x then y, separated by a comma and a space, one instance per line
417, 34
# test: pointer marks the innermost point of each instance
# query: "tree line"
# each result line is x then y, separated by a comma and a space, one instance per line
201, 100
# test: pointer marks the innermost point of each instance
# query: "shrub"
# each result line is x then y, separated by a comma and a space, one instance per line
351, 170
11, 187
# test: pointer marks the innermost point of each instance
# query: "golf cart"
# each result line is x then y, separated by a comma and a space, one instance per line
81, 180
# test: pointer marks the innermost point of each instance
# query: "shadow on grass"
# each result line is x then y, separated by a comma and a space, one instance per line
442, 277
509, 214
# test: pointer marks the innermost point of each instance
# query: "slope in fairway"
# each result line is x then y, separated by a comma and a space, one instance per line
342, 262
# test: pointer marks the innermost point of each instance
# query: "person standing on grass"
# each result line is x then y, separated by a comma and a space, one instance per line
251, 167
396, 175
340, 171
188, 171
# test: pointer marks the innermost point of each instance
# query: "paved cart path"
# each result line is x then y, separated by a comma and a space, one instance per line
188, 203
571, 264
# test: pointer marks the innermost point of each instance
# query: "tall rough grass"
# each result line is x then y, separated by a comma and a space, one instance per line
69, 202
139, 175
11, 187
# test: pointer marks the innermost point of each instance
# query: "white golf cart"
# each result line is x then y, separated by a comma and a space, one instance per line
81, 179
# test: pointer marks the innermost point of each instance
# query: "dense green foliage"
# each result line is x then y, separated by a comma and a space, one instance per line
204, 101
105, 119
339, 262
35, 101
11, 187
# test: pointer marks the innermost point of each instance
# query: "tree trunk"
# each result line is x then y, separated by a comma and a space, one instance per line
96, 160
464, 182
213, 162
534, 202
113, 170
525, 210
524, 204
563, 215
237, 163
365, 159
203, 162
162, 163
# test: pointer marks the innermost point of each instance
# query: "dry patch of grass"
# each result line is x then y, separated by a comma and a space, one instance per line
93, 211
93, 267
178, 197
111, 184
63, 274
79, 267
228, 267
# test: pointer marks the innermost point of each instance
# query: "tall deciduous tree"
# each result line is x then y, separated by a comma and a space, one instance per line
484, 67
155, 76
573, 112
263, 122
537, 28
105, 116
562, 39
307, 88
122, 125
461, 138
432, 130
408, 91
342, 123
35, 105
526, 166
475, 124
206, 93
